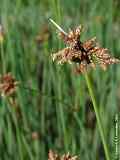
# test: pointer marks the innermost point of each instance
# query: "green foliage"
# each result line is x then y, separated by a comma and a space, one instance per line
53, 101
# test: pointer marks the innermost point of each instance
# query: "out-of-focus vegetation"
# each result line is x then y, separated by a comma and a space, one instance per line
52, 107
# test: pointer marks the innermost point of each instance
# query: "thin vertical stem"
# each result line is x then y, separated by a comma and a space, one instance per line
100, 127
60, 110
3, 59
18, 135
3, 68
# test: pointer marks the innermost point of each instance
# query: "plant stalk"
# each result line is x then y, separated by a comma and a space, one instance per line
100, 127
2, 58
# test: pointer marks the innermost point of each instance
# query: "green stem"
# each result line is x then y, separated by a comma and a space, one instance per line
18, 134
90, 88
3, 59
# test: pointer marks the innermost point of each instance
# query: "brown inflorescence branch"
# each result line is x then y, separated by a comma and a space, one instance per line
85, 54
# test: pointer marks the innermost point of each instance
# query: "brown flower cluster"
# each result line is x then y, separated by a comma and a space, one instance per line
8, 85
87, 53
35, 135
54, 156
43, 36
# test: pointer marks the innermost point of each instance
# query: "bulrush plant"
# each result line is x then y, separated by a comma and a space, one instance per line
86, 55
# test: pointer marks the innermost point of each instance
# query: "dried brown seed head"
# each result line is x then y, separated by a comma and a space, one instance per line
8, 85
86, 54
35, 135
54, 156
43, 36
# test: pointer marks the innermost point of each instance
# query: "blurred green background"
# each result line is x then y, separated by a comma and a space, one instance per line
53, 108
